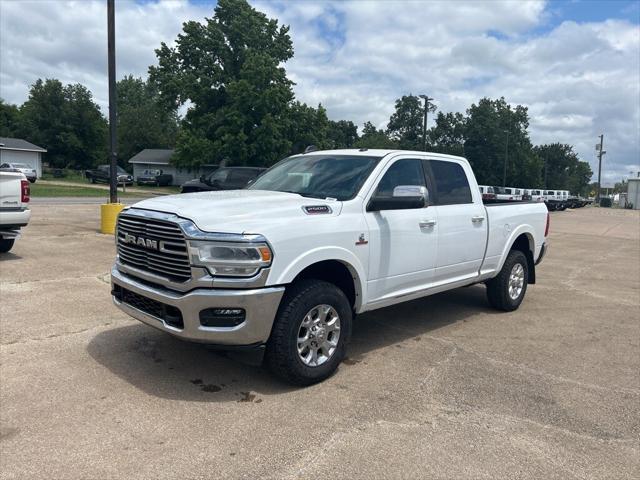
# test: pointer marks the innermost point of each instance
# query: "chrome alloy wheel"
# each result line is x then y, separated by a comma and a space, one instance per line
318, 335
516, 281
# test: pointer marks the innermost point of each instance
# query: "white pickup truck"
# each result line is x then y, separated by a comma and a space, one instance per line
283, 266
14, 207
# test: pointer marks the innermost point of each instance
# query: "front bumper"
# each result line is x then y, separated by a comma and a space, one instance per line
260, 305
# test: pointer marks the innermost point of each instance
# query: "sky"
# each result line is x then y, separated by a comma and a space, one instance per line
574, 64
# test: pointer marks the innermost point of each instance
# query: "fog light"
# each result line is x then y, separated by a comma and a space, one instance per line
222, 317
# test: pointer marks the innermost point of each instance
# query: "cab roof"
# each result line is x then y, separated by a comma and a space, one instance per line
376, 152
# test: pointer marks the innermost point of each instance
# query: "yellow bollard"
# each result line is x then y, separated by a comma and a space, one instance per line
108, 216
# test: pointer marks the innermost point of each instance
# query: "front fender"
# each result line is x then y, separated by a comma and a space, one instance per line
308, 258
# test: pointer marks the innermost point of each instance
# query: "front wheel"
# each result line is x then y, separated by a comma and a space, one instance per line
310, 333
6, 244
506, 291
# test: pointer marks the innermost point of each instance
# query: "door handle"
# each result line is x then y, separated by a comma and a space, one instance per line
427, 223
477, 219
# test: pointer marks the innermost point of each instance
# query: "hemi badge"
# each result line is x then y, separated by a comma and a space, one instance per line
316, 209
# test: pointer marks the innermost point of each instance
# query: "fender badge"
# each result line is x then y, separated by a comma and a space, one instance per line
361, 240
316, 209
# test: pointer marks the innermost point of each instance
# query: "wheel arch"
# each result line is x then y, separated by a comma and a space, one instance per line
334, 267
525, 243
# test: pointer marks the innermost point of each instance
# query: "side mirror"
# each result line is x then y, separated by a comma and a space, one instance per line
202, 179
404, 197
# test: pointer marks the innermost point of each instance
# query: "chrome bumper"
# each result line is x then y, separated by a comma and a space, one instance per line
260, 305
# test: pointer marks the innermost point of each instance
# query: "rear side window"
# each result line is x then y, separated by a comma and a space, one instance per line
450, 183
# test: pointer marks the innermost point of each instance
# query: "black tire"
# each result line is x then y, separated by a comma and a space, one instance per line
32, 180
6, 244
498, 287
93, 180
282, 351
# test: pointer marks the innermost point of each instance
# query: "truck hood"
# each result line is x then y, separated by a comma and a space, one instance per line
238, 211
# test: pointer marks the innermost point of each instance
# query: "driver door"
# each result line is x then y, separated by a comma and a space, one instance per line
403, 242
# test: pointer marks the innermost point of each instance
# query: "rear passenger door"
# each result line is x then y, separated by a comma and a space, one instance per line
462, 222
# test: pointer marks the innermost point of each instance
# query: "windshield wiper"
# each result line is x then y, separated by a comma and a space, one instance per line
306, 195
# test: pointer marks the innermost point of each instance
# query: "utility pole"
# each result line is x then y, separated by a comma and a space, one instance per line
111, 55
427, 99
601, 152
545, 173
506, 159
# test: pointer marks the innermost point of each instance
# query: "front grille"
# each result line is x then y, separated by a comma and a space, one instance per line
166, 254
171, 315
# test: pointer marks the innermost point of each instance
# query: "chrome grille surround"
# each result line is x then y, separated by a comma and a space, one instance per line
196, 277
169, 260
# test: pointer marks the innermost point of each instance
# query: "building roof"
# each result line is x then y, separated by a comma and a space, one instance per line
153, 156
7, 143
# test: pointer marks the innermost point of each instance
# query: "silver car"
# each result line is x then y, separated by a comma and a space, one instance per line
28, 171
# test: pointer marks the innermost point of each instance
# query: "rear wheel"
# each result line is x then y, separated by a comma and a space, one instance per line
310, 333
6, 244
93, 180
506, 291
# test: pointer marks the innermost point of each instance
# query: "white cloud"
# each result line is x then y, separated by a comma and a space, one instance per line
356, 58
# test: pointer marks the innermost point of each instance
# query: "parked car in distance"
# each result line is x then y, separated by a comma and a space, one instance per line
281, 267
101, 174
508, 193
488, 192
225, 178
14, 207
28, 171
553, 199
533, 195
157, 178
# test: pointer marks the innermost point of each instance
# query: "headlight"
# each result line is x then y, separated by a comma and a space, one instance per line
230, 259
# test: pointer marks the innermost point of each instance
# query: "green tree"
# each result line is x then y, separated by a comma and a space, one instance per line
143, 120
9, 120
562, 168
448, 134
307, 126
342, 134
406, 123
66, 121
373, 138
497, 133
230, 71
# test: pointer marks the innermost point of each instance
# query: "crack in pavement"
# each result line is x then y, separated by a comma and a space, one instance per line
62, 334
522, 369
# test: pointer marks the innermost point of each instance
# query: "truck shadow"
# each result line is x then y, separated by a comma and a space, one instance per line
166, 367
6, 257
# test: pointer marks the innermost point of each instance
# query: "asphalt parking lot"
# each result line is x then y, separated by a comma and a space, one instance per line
442, 387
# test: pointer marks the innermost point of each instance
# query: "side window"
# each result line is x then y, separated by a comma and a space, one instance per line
450, 183
402, 172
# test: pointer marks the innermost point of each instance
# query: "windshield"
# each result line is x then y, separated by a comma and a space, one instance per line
121, 171
318, 176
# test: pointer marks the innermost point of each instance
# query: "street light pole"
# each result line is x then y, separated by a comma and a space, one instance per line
427, 99
111, 55
506, 157
600, 154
